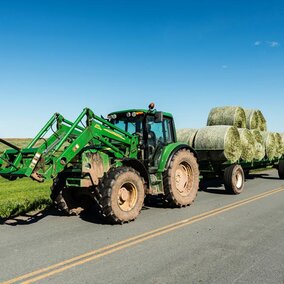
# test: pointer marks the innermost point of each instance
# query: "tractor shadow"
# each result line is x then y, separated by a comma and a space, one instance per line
29, 218
91, 215
214, 185
154, 202
34, 217
253, 176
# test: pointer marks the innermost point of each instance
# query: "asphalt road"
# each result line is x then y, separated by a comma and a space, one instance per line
220, 239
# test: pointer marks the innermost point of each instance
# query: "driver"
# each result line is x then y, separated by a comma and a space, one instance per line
151, 138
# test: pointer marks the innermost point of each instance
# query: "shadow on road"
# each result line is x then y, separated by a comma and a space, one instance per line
215, 186
264, 176
30, 218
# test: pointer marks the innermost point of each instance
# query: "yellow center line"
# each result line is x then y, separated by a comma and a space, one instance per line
92, 255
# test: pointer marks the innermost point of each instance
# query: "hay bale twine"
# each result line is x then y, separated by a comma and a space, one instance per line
278, 145
261, 121
228, 115
186, 135
259, 148
222, 141
247, 144
251, 118
270, 146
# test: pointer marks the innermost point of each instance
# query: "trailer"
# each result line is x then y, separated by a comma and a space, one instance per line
233, 174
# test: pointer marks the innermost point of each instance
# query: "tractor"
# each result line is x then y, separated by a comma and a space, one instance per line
113, 162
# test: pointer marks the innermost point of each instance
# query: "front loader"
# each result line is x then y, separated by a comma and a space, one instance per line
113, 162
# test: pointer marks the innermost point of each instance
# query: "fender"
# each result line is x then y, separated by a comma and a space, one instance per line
139, 167
169, 151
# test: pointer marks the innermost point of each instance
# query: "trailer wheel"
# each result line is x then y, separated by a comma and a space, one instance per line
181, 180
123, 193
234, 179
281, 169
63, 198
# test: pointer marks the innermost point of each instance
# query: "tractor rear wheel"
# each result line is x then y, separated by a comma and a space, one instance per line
234, 179
64, 198
123, 193
181, 180
281, 169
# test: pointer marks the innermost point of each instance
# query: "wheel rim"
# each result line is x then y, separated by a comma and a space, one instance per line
127, 196
239, 179
184, 179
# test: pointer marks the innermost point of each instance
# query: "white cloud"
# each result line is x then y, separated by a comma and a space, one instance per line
273, 43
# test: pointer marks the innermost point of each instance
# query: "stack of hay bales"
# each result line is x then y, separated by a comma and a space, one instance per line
187, 135
233, 134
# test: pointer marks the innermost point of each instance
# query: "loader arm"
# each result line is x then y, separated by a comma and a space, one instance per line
55, 152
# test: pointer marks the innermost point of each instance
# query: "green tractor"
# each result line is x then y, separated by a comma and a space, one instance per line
115, 162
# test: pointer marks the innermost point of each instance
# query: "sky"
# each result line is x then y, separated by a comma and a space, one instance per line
186, 56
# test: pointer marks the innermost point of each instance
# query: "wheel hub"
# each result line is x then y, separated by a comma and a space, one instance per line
127, 197
183, 179
239, 180
124, 194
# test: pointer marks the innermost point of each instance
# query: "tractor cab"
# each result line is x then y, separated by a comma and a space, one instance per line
155, 129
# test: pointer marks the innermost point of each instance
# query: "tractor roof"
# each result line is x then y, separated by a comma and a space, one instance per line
140, 111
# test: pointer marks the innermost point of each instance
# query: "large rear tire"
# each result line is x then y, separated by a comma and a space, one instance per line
234, 179
123, 193
181, 180
281, 169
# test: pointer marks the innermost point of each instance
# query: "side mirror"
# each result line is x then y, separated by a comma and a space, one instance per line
159, 117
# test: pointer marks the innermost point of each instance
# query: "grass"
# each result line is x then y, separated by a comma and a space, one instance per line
20, 142
23, 195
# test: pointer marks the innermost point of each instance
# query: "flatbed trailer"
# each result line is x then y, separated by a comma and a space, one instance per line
233, 174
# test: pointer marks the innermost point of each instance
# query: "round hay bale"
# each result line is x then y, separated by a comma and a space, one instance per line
270, 146
248, 145
261, 121
282, 136
228, 115
251, 118
278, 145
186, 135
259, 148
223, 140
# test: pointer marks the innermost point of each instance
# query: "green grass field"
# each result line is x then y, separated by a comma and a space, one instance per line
22, 195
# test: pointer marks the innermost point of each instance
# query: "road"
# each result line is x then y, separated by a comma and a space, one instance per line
220, 239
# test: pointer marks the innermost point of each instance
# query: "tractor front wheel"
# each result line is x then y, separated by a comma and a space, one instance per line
181, 180
122, 195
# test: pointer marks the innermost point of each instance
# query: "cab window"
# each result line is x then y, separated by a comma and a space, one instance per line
161, 130
131, 125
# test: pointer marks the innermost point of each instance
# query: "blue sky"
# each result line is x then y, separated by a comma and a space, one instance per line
186, 56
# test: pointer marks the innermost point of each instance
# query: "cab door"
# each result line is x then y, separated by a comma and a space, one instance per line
158, 134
